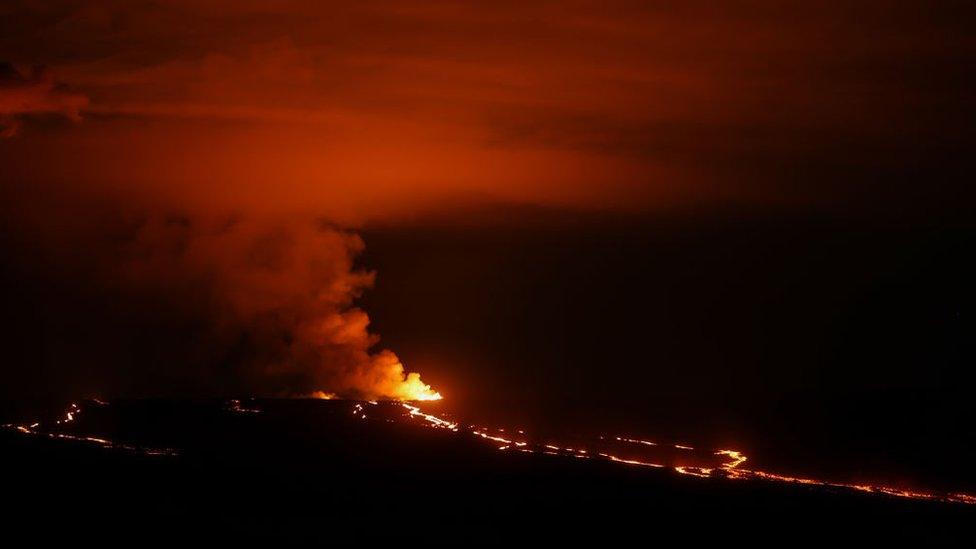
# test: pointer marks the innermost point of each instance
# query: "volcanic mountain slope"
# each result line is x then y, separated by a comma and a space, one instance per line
348, 470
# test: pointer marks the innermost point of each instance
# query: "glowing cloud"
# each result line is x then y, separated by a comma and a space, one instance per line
33, 93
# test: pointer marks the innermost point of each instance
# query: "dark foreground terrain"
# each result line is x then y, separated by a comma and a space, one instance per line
319, 471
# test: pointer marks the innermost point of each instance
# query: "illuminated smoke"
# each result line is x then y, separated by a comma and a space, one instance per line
275, 299
33, 92
154, 304
320, 395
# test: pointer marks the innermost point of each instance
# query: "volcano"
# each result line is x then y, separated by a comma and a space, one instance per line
312, 469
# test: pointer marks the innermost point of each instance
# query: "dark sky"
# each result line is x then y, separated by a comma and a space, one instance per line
737, 219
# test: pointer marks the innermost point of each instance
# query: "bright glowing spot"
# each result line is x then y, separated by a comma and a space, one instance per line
412, 388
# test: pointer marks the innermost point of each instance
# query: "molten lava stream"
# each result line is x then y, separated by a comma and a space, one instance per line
680, 458
38, 429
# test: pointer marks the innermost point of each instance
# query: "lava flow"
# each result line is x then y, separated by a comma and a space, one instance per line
680, 458
57, 431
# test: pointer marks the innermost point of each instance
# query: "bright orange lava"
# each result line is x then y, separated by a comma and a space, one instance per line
70, 415
412, 388
724, 463
729, 466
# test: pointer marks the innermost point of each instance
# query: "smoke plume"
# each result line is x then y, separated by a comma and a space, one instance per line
280, 293
33, 93
204, 304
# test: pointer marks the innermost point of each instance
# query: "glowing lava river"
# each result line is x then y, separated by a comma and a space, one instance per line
682, 459
625, 451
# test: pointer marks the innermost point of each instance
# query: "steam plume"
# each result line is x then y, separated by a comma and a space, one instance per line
206, 304
35, 92
279, 294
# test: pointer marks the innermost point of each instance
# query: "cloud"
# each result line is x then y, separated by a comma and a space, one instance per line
33, 92
162, 303
380, 109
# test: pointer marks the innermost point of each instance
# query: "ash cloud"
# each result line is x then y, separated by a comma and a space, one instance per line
34, 92
163, 304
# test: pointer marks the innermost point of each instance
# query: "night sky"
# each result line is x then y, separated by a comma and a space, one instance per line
744, 222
